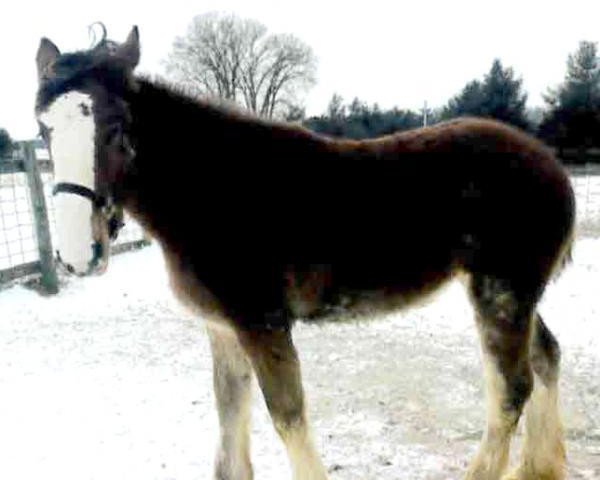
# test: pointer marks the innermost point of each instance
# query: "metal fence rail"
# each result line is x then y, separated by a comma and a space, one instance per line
27, 217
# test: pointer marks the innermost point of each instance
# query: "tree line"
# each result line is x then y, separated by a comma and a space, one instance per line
237, 60
569, 121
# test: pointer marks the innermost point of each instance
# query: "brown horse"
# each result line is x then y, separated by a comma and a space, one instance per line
262, 223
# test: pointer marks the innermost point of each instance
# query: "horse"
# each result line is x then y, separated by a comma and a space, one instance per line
264, 223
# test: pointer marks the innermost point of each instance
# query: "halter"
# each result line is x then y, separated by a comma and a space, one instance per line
76, 189
114, 223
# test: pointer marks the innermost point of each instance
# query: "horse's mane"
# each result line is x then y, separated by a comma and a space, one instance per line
104, 44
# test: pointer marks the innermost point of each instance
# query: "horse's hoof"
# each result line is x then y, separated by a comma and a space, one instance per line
527, 474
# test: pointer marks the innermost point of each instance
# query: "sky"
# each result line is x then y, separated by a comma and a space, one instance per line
393, 52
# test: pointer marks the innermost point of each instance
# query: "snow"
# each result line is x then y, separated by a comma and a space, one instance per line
587, 193
111, 379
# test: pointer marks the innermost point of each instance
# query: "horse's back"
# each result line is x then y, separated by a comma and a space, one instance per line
401, 214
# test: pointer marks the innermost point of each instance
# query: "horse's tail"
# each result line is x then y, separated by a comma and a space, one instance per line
566, 254
566, 259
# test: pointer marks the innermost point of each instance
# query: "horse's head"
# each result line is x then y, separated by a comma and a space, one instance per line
84, 119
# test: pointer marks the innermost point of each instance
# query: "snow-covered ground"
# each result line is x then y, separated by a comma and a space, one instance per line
111, 379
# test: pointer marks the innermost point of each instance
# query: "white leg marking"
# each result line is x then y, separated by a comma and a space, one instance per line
492, 457
305, 461
232, 379
543, 454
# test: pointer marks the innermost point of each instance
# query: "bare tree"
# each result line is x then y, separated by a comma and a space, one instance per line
336, 108
235, 59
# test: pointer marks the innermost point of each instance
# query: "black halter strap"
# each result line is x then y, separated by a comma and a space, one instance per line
115, 220
75, 189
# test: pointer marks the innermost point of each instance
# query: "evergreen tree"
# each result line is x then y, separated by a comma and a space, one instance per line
469, 101
582, 83
358, 120
573, 118
504, 99
498, 96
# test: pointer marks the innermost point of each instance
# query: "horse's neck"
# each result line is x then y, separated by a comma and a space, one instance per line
167, 121
174, 138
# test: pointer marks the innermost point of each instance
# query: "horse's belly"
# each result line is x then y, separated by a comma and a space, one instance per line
327, 293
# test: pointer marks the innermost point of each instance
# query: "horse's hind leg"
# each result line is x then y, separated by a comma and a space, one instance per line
232, 379
543, 454
276, 365
504, 321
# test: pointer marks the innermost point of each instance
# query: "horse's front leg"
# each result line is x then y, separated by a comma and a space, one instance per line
232, 378
276, 365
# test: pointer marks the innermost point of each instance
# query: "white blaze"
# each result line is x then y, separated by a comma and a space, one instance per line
72, 133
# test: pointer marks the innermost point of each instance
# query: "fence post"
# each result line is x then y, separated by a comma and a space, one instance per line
40, 215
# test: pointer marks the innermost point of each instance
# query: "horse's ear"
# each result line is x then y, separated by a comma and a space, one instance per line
46, 55
130, 49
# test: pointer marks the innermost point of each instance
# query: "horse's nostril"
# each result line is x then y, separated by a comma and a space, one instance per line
97, 250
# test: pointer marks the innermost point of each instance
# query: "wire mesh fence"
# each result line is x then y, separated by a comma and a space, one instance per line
17, 231
586, 184
19, 246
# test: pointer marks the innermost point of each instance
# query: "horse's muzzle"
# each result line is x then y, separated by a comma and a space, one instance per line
96, 266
